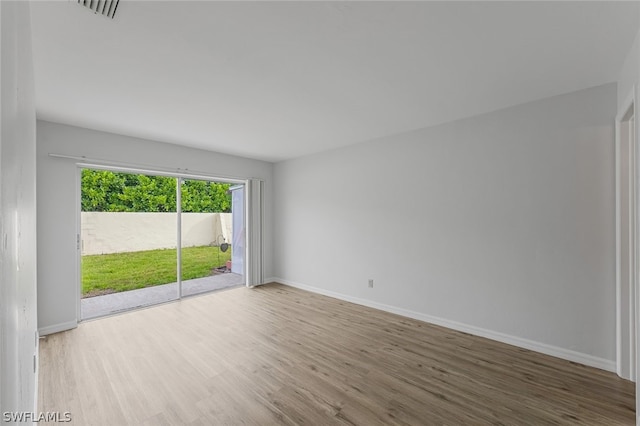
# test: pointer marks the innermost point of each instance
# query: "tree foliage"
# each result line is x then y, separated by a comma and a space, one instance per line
202, 196
106, 191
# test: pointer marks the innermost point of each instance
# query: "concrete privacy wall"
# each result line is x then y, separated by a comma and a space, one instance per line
107, 232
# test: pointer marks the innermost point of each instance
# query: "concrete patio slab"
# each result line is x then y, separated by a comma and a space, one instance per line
97, 306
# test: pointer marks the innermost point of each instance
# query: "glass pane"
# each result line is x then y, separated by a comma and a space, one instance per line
128, 241
207, 237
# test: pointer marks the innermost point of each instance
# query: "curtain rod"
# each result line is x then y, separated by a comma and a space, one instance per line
124, 166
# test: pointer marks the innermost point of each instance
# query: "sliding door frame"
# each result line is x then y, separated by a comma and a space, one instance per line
180, 176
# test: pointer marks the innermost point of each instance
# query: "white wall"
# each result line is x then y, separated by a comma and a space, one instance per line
57, 269
506, 224
630, 77
629, 72
121, 232
18, 338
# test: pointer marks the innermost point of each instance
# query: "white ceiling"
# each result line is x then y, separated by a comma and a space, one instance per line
278, 80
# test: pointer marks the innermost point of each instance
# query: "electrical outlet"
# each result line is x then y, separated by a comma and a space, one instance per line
370, 283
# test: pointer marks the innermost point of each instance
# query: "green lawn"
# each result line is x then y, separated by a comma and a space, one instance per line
110, 273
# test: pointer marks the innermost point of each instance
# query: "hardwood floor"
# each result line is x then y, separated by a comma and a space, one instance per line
278, 355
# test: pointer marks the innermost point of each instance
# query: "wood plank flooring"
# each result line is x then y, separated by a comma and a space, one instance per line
279, 355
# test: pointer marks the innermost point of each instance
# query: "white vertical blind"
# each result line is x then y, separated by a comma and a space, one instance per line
254, 232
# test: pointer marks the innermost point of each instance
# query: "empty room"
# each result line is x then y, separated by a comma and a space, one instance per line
413, 212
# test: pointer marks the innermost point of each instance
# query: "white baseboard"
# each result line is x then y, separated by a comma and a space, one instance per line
56, 328
544, 348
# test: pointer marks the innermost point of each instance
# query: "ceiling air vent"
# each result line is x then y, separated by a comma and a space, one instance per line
103, 7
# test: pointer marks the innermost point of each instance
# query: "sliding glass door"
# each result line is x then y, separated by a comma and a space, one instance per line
146, 239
